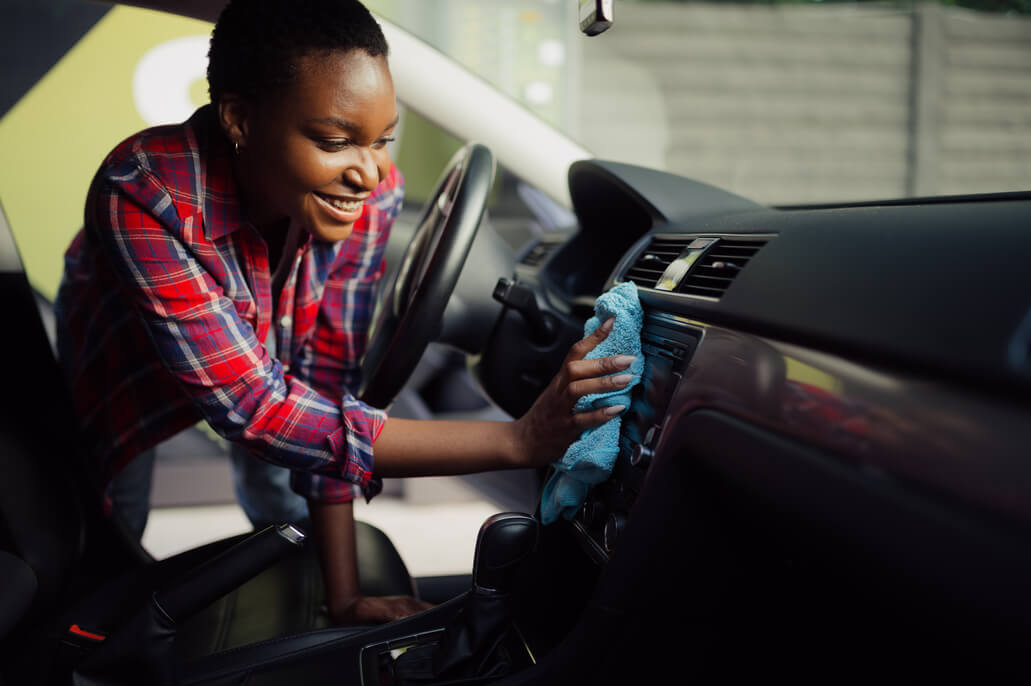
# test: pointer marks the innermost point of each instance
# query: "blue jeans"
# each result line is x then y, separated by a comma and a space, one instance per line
263, 490
129, 491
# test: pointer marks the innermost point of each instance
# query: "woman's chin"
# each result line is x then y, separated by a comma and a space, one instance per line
331, 232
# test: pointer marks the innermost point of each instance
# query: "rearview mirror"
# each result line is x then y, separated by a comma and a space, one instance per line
595, 16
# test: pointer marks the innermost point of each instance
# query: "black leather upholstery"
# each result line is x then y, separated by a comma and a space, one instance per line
288, 598
325, 657
16, 592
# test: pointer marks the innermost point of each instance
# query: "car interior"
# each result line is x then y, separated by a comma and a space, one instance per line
823, 475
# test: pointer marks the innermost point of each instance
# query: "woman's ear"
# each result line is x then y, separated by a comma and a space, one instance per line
232, 117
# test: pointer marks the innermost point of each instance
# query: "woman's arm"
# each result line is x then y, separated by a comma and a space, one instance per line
334, 531
407, 448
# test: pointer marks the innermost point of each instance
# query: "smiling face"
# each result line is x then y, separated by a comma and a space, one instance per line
314, 151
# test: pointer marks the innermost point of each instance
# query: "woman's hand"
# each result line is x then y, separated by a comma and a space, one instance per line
377, 610
335, 535
546, 431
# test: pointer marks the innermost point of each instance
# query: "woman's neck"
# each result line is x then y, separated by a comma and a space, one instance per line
280, 234
275, 236
282, 240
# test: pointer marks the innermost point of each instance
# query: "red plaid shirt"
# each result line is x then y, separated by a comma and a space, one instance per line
166, 302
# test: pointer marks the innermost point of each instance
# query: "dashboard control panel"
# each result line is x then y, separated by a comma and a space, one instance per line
668, 344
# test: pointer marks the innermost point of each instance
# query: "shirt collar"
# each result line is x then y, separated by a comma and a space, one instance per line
221, 211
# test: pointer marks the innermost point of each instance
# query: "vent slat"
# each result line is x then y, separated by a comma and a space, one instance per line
739, 252
733, 252
715, 272
651, 264
654, 274
702, 290
715, 281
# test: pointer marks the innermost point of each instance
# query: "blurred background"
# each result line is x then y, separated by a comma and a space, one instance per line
786, 102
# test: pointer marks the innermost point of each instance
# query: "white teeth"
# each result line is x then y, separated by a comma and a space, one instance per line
345, 205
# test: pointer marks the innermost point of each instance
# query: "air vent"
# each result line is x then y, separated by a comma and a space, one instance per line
538, 254
712, 275
653, 261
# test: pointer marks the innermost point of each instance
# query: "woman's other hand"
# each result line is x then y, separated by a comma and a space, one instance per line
377, 610
551, 425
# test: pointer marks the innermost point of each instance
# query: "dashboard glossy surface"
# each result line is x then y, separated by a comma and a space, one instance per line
843, 402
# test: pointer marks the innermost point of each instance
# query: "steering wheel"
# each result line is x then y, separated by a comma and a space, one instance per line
409, 308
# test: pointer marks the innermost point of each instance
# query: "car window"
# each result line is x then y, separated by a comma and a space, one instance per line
782, 102
785, 102
518, 211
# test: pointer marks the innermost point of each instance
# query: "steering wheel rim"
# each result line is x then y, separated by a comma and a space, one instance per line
409, 308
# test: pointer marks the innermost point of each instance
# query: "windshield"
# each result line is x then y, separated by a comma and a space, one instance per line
783, 102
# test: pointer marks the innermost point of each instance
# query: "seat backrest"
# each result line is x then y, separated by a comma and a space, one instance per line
40, 513
50, 510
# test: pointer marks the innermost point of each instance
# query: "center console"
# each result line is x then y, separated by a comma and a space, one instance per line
667, 343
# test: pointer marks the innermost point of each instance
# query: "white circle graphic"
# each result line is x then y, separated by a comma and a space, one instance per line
163, 76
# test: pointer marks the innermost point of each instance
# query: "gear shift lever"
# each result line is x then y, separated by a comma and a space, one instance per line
471, 646
504, 541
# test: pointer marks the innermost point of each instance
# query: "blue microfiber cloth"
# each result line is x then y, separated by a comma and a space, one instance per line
590, 459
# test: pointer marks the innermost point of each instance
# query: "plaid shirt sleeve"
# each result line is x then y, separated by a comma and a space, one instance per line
330, 360
215, 356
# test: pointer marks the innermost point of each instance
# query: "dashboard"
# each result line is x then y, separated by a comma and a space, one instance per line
829, 446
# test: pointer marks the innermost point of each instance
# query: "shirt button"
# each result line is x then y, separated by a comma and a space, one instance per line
285, 321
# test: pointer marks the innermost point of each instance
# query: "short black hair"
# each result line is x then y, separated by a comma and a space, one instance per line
256, 44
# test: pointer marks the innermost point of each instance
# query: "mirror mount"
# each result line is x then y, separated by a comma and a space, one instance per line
595, 16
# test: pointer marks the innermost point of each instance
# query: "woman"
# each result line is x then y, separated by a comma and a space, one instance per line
225, 273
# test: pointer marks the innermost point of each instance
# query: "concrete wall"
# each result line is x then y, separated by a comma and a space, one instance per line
983, 109
809, 104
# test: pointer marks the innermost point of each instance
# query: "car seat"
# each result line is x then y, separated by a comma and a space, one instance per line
73, 581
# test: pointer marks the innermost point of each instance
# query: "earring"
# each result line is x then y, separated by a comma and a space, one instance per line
236, 148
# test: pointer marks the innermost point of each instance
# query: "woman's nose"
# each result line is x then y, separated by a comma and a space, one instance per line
364, 173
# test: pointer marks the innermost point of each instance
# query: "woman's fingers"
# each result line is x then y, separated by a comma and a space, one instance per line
552, 424
601, 375
604, 384
593, 418
582, 377
589, 342
380, 609
601, 366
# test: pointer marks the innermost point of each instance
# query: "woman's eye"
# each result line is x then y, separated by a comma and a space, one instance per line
333, 144
382, 142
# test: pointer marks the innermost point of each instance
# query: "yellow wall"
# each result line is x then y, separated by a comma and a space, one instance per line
52, 141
